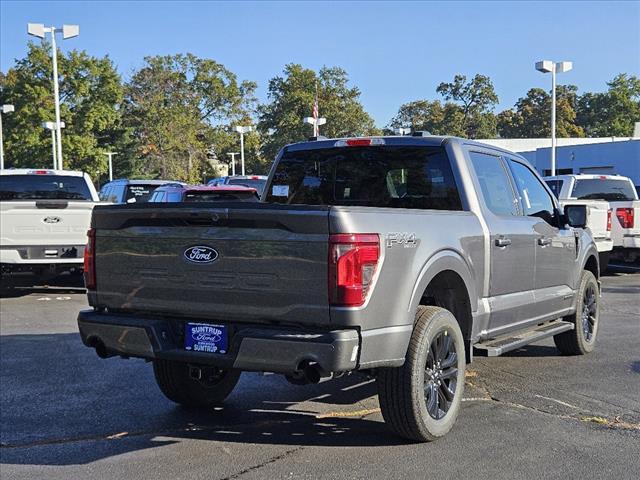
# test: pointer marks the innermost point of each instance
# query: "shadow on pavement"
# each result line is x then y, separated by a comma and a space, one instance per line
61, 405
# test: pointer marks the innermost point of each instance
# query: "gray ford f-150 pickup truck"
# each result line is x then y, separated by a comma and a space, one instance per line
397, 256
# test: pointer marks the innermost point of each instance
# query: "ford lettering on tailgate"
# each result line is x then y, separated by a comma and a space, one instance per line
200, 254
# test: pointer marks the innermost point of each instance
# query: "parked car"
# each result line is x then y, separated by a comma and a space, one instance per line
131, 191
623, 200
254, 181
44, 218
599, 215
203, 193
400, 257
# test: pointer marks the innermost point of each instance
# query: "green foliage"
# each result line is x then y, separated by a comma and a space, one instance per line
476, 98
431, 116
532, 115
614, 112
292, 97
180, 109
90, 95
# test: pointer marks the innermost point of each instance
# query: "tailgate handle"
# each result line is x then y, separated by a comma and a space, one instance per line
52, 204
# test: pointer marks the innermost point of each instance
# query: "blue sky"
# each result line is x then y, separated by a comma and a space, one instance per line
393, 51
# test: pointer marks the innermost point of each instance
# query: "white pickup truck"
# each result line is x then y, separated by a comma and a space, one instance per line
624, 208
599, 215
44, 218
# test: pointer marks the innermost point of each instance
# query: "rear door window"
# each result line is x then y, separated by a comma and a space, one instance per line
43, 187
494, 183
377, 176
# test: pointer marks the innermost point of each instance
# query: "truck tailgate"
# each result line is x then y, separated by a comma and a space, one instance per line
44, 222
254, 262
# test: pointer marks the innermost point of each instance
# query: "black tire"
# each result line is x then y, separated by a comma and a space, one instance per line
405, 392
604, 261
582, 339
177, 385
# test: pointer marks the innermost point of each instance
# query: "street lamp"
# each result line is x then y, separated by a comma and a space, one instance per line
316, 122
68, 31
52, 126
233, 162
402, 131
242, 130
110, 155
548, 66
4, 109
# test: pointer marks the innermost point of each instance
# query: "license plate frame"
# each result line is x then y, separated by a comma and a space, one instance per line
206, 338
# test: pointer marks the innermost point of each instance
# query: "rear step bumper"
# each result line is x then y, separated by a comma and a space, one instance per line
251, 347
497, 346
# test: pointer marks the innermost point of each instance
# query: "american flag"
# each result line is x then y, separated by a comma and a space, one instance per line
315, 114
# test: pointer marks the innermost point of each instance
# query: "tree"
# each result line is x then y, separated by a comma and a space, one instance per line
432, 116
476, 98
90, 95
532, 115
291, 97
612, 113
180, 109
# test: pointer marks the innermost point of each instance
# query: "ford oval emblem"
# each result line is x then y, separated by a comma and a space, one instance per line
200, 254
51, 219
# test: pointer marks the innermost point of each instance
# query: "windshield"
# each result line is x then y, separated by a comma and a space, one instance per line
139, 193
258, 184
379, 176
43, 187
603, 189
204, 196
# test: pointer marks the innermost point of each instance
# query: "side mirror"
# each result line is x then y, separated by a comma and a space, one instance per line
576, 215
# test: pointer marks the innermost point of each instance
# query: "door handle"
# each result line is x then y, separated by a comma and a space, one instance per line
543, 242
503, 242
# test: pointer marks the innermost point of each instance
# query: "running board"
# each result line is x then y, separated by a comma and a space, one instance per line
499, 345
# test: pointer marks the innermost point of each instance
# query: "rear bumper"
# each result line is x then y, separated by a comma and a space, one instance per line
631, 240
251, 347
604, 244
24, 271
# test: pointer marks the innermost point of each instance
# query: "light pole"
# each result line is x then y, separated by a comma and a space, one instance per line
233, 162
52, 126
68, 31
242, 130
316, 122
548, 66
4, 109
110, 155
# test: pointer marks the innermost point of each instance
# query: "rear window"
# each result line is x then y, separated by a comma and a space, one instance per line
43, 187
379, 176
220, 196
603, 189
248, 182
140, 193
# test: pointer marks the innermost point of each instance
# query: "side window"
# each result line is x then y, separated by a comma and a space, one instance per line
104, 193
494, 183
555, 186
174, 197
534, 198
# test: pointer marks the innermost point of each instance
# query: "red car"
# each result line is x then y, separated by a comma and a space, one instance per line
203, 193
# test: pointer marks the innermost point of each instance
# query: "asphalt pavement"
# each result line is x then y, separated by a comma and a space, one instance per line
66, 414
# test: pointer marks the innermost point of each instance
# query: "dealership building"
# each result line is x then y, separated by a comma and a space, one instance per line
606, 155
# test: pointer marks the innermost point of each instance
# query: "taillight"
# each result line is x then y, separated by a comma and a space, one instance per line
609, 220
353, 259
625, 217
90, 261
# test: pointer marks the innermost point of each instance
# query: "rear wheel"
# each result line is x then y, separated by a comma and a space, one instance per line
421, 399
582, 339
194, 386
